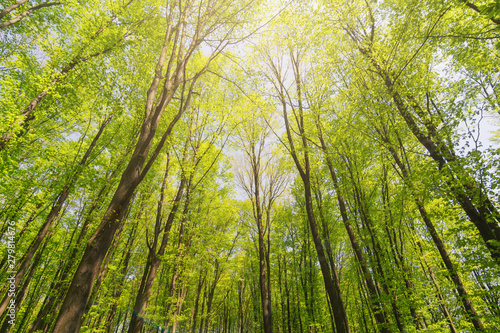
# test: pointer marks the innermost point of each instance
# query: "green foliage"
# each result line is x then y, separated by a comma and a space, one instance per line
356, 89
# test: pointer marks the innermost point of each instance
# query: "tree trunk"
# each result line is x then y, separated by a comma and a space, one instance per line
464, 296
153, 263
201, 282
463, 187
264, 287
123, 274
51, 303
137, 168
442, 301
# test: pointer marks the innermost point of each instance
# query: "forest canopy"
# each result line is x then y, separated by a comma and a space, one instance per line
249, 166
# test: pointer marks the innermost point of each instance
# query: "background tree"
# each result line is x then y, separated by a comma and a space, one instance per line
263, 182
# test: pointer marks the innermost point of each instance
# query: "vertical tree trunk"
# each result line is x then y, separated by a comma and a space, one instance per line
442, 301
203, 301
464, 296
154, 258
210, 295
201, 282
264, 287
376, 306
123, 274
157, 100
287, 293
84, 278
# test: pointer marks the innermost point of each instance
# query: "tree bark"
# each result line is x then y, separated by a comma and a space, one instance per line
50, 305
264, 287
12, 7
137, 168
477, 10
201, 283
473, 200
377, 308
463, 187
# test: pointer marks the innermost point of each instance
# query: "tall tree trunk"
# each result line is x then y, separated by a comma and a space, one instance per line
25, 261
264, 287
137, 168
287, 293
210, 295
118, 289
158, 98
376, 306
431, 277
463, 187
201, 283
460, 287
51, 304
19, 297
180, 301
332, 284
96, 290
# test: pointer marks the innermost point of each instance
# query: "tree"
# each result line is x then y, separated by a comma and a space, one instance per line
424, 123
263, 182
22, 15
302, 163
103, 39
220, 166
181, 47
